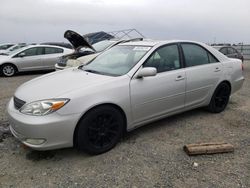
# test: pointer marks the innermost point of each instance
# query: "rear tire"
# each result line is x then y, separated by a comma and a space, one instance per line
220, 98
99, 130
8, 70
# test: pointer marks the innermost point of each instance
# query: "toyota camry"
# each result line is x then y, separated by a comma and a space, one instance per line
127, 86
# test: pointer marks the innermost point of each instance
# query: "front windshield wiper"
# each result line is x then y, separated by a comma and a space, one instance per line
92, 71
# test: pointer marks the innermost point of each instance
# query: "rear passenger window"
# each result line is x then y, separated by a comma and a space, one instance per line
231, 51
224, 51
49, 50
196, 55
164, 59
212, 59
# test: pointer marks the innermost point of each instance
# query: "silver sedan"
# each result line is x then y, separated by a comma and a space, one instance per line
127, 86
30, 58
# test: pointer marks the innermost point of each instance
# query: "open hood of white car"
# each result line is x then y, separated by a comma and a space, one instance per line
77, 40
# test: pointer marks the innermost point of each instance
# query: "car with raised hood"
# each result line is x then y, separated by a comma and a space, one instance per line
85, 51
230, 52
127, 86
31, 58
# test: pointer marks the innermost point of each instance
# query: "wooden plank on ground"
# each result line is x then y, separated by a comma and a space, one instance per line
208, 148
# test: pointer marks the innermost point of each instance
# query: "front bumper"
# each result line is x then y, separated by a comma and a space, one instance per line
58, 67
56, 130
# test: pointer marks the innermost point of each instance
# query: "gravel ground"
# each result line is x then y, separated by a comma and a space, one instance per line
151, 156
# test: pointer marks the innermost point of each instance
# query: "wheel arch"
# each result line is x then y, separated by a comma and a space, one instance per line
228, 83
117, 107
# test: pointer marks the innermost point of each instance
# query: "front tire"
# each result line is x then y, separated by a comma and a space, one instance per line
99, 130
220, 98
8, 70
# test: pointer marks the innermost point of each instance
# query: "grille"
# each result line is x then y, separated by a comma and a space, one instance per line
62, 64
18, 103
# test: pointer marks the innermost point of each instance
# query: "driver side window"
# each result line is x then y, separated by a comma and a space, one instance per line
33, 52
164, 59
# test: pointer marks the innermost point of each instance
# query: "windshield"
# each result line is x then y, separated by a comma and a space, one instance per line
5, 46
117, 61
100, 46
13, 52
17, 47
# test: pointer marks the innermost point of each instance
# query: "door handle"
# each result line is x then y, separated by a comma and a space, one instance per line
179, 78
217, 69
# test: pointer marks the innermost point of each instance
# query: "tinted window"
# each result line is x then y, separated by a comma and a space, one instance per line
224, 51
212, 58
194, 55
49, 50
231, 51
164, 59
33, 51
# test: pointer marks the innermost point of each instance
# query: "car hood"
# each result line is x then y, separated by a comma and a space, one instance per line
59, 83
77, 40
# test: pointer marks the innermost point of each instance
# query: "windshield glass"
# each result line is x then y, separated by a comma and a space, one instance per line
100, 46
117, 61
17, 47
5, 46
13, 52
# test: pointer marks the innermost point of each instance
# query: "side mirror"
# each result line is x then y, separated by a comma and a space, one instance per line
21, 54
147, 71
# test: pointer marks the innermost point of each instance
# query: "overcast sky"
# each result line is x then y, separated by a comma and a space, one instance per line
200, 20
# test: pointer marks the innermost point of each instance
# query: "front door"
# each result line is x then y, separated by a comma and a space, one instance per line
156, 96
29, 59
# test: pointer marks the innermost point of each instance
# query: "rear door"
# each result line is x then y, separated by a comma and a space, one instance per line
29, 59
203, 71
155, 96
51, 57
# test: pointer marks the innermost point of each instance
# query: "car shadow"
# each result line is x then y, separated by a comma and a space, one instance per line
168, 121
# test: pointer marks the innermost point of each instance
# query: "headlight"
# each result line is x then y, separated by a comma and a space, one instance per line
43, 107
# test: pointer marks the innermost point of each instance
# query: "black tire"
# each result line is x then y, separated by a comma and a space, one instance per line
8, 70
99, 130
220, 98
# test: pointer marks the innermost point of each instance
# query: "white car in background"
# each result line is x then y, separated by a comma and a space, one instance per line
13, 48
125, 87
31, 58
5, 46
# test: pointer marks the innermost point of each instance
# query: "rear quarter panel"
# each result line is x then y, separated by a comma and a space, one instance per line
233, 73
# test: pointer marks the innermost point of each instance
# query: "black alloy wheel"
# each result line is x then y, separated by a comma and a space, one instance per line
100, 130
220, 98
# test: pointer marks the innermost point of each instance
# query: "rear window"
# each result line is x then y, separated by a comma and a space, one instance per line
224, 51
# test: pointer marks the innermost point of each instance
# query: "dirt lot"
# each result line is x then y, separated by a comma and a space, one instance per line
150, 156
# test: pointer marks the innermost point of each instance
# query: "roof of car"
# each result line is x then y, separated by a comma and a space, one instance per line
149, 42
145, 42
45, 45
